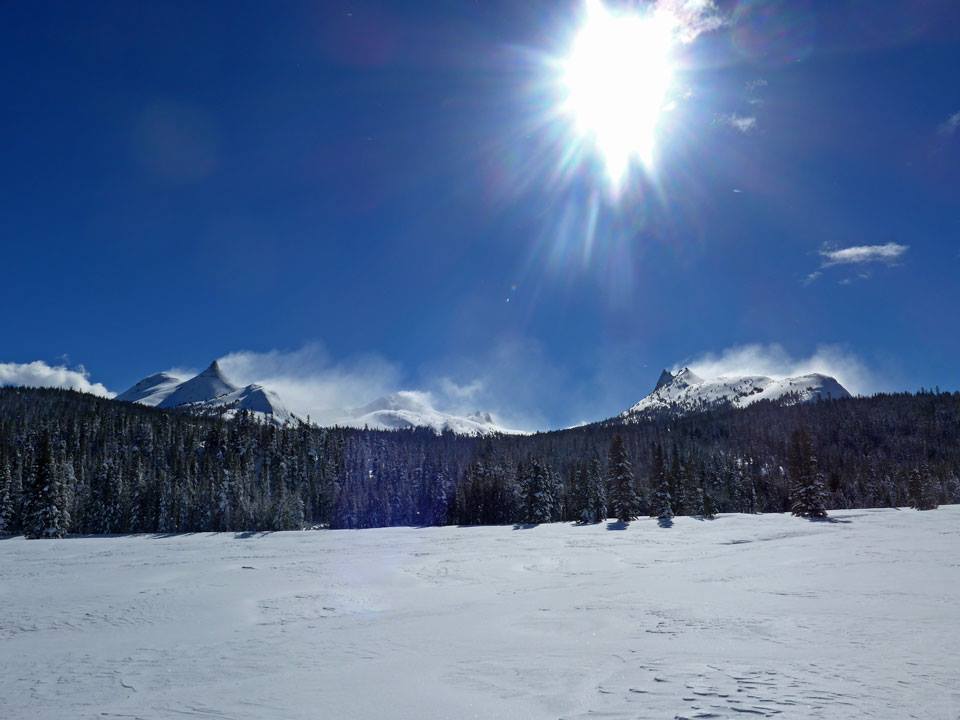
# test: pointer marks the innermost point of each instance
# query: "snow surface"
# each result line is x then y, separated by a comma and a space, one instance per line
409, 408
685, 391
151, 390
742, 616
208, 385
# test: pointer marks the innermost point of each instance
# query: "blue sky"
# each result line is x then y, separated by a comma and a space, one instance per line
374, 192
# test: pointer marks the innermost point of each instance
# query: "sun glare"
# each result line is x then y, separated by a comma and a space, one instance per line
616, 79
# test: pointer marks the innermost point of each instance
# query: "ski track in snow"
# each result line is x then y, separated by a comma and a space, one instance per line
740, 617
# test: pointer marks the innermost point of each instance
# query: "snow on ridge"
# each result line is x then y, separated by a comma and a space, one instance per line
152, 390
410, 409
684, 392
210, 392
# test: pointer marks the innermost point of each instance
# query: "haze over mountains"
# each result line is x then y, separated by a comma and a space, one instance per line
211, 392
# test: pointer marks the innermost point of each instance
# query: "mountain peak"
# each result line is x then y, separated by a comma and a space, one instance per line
213, 370
685, 391
682, 378
666, 377
688, 376
207, 386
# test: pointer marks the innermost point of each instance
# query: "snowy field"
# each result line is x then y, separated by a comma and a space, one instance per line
764, 616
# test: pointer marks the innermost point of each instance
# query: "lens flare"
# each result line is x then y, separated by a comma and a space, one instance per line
616, 79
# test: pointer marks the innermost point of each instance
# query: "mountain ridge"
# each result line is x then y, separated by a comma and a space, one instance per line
208, 392
684, 391
411, 408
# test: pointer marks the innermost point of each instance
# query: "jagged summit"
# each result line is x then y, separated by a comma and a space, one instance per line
666, 377
209, 392
208, 385
685, 391
212, 392
684, 377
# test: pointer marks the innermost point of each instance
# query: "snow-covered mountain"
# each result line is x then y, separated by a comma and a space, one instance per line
208, 392
151, 390
685, 392
212, 392
407, 409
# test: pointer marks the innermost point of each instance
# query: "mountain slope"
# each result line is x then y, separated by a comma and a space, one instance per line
207, 386
686, 392
408, 409
151, 390
210, 392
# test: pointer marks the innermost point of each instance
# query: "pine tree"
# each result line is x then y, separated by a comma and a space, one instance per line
42, 513
540, 494
624, 501
596, 490
807, 493
661, 506
705, 508
678, 484
921, 489
7, 500
589, 496
578, 494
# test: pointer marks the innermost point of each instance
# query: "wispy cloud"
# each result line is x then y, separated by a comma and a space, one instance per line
310, 382
858, 254
742, 123
774, 361
949, 127
40, 374
510, 380
693, 17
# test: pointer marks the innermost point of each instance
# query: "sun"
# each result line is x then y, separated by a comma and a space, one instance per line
616, 80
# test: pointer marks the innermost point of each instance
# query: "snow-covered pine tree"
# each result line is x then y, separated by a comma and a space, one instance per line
678, 484
540, 494
661, 506
705, 508
589, 496
807, 493
42, 514
623, 501
596, 490
7, 501
921, 489
578, 494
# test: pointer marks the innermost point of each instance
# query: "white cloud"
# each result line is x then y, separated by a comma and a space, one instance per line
863, 254
40, 374
512, 381
310, 382
741, 123
774, 361
693, 17
950, 126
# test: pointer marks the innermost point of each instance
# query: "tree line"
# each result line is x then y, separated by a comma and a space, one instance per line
72, 463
